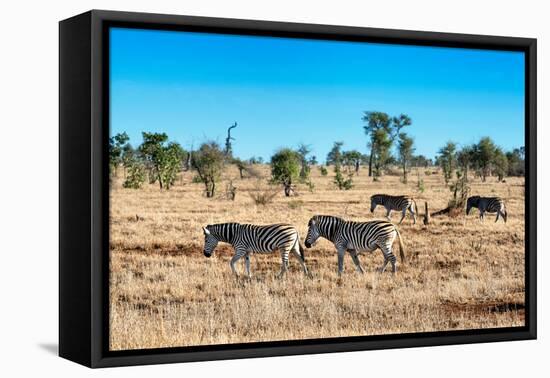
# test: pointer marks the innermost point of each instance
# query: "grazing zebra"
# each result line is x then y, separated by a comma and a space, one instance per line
248, 238
489, 205
401, 203
356, 237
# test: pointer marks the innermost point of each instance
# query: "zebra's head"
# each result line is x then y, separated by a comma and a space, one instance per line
313, 233
472, 202
210, 242
374, 201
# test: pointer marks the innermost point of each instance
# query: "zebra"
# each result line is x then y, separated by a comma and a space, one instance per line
356, 237
249, 238
401, 203
487, 204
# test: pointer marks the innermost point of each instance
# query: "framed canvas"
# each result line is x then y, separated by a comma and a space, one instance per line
235, 188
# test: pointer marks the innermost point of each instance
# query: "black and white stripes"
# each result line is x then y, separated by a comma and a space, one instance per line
399, 203
489, 205
347, 236
248, 238
356, 237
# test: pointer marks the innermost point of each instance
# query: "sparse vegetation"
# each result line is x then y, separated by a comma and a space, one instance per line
164, 293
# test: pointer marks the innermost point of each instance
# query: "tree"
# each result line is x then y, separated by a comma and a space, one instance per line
381, 154
241, 166
304, 150
352, 160
516, 162
256, 160
285, 168
399, 122
116, 146
128, 157
334, 157
500, 163
421, 161
209, 161
447, 160
484, 154
164, 158
465, 158
337, 157
375, 121
405, 150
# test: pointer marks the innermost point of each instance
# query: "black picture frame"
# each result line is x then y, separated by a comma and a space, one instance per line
84, 187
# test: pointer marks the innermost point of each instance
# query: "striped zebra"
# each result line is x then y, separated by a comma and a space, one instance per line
401, 203
248, 238
489, 205
356, 237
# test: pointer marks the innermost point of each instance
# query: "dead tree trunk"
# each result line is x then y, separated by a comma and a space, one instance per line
228, 151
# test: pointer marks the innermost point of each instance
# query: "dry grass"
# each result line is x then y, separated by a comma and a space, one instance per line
460, 273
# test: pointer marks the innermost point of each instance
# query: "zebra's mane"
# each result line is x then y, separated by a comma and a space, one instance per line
327, 225
223, 231
378, 196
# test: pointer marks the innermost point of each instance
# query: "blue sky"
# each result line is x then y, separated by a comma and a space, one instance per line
283, 91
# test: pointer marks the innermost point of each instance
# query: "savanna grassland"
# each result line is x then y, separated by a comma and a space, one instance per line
459, 274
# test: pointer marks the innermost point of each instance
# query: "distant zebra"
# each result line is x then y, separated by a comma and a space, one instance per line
401, 203
489, 205
356, 237
248, 238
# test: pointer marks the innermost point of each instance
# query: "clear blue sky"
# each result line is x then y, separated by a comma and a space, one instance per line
283, 91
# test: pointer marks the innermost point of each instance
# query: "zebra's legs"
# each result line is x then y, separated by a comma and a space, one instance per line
388, 212
284, 264
300, 259
355, 259
498, 215
234, 259
404, 212
388, 257
413, 214
341, 252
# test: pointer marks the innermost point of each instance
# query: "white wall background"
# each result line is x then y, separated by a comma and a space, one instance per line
29, 215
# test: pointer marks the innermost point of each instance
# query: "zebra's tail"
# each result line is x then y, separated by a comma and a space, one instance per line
401, 246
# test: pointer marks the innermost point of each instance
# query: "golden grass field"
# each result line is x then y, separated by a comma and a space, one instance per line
460, 273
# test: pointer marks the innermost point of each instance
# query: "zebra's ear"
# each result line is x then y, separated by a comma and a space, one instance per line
312, 222
206, 231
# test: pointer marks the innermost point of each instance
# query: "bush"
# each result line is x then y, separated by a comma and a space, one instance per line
323, 170
135, 176
263, 196
341, 182
420, 186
